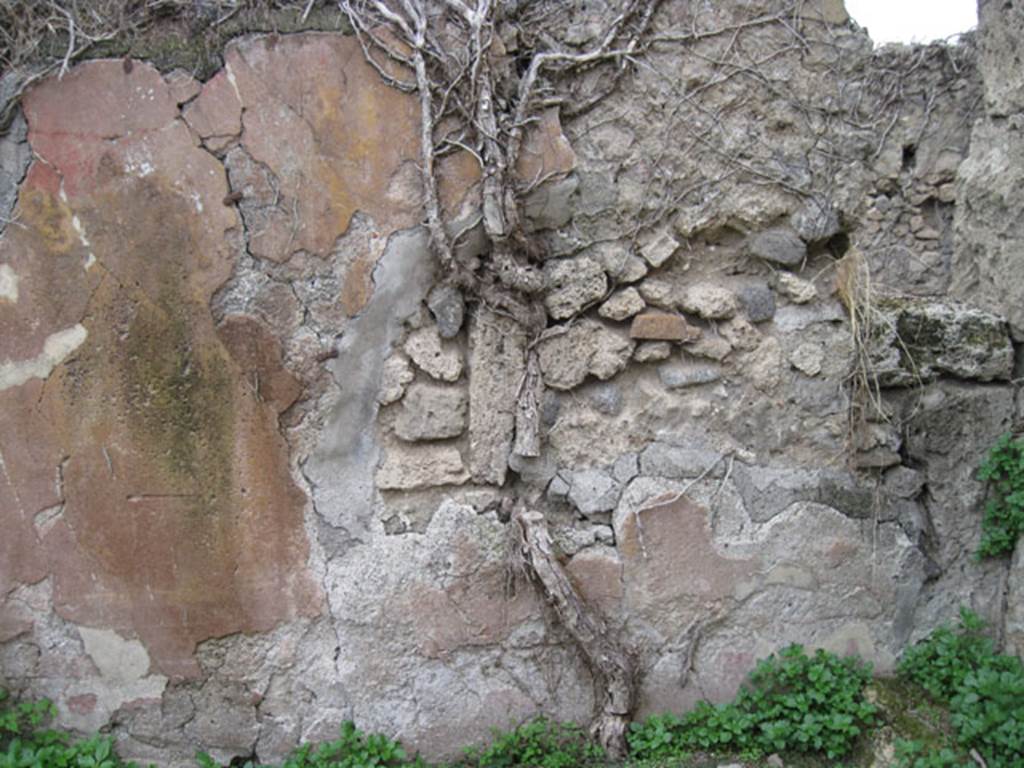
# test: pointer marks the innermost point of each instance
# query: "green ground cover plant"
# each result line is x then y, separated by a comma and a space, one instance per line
352, 749
1003, 520
792, 702
25, 742
984, 691
540, 743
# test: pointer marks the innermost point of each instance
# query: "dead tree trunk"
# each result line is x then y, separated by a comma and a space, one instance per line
590, 632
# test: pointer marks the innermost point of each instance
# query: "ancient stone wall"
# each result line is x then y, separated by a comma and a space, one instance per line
253, 453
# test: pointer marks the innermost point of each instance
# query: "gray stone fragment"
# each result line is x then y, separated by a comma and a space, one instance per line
11, 84
658, 247
764, 364
622, 305
593, 490
604, 534
659, 292
820, 395
780, 245
815, 221
767, 491
558, 488
796, 317
710, 346
741, 333
676, 462
406, 467
175, 711
798, 291
916, 340
564, 362
612, 351
676, 375
628, 269
605, 397
989, 215
758, 302
439, 360
904, 482
537, 470
550, 205
626, 467
877, 445
396, 374
468, 240
448, 308
876, 458
550, 407
497, 359
572, 284
843, 493
807, 358
652, 351
596, 193
586, 347
620, 264
226, 723
432, 412
571, 539
1000, 30
947, 439
712, 302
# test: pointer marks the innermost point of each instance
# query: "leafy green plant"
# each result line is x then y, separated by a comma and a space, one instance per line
658, 737
792, 702
540, 743
1003, 519
25, 744
914, 754
352, 749
988, 712
940, 662
984, 690
17, 719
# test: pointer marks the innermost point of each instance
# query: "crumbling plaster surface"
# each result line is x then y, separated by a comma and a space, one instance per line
249, 445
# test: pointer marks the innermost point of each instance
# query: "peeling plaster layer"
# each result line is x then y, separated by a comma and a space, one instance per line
124, 677
56, 349
342, 466
175, 517
8, 284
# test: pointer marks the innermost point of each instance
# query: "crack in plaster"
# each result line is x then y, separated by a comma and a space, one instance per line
23, 160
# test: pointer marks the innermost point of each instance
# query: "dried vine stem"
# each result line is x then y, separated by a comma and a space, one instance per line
476, 96
605, 658
471, 98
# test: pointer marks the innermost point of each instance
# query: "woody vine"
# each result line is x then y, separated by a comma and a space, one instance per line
483, 71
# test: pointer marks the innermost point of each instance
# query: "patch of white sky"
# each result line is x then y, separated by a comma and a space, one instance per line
913, 21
